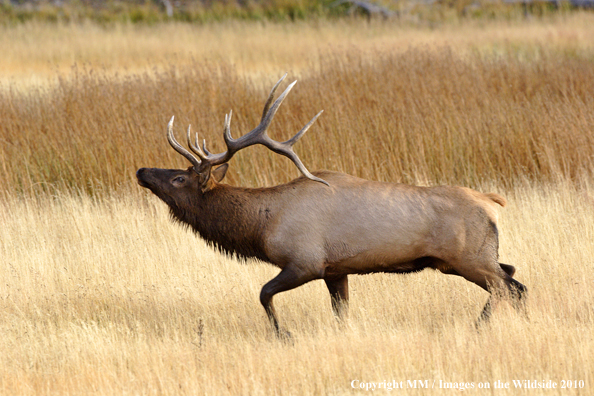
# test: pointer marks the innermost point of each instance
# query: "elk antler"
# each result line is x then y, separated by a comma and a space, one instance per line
178, 147
256, 136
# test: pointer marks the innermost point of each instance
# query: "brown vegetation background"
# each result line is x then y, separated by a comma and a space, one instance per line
100, 293
420, 115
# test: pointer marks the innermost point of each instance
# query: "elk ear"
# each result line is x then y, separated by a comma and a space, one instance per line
220, 172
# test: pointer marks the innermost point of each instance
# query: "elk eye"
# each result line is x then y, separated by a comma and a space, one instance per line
179, 179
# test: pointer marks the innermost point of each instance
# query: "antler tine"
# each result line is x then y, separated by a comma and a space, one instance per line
178, 147
289, 153
194, 147
286, 149
258, 134
206, 158
294, 139
266, 119
271, 97
227, 133
204, 147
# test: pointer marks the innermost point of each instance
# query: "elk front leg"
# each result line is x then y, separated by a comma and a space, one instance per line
289, 278
339, 295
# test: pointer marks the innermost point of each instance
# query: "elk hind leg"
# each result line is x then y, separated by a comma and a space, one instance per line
513, 290
517, 292
491, 277
289, 278
339, 295
510, 270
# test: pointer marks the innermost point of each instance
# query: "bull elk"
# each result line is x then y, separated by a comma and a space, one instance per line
328, 225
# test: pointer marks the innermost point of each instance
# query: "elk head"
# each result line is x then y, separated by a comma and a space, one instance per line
203, 175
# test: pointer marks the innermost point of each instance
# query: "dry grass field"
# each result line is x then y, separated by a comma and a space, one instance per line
101, 293
108, 296
33, 53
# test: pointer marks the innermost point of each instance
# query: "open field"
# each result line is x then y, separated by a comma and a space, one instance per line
110, 297
33, 53
102, 294
463, 113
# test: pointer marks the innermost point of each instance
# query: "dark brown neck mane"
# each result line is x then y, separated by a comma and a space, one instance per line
231, 219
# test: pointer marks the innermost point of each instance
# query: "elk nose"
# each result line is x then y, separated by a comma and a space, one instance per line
139, 172
140, 176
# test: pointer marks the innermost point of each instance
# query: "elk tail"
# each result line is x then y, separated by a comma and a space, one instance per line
496, 198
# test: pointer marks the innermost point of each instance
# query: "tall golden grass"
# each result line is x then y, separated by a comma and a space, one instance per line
428, 115
102, 294
108, 296
463, 104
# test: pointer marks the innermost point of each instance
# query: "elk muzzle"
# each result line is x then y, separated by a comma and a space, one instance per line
141, 176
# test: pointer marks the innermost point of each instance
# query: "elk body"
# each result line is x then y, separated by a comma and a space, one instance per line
329, 225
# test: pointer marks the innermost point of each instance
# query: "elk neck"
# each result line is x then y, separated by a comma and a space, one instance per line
232, 219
